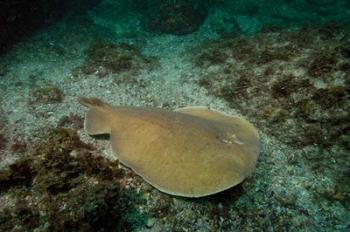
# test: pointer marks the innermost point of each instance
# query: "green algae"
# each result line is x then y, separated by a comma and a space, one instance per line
62, 185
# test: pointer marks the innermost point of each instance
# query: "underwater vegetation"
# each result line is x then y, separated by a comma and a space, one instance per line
295, 86
62, 185
3, 142
71, 121
284, 82
103, 58
47, 95
3, 139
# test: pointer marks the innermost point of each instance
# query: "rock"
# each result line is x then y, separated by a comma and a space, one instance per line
175, 17
20, 18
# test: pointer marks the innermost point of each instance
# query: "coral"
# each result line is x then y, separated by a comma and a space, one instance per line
63, 186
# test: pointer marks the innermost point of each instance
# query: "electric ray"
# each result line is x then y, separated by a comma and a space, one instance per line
191, 152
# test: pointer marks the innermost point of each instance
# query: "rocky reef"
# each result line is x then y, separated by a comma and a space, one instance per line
285, 81
21, 18
174, 17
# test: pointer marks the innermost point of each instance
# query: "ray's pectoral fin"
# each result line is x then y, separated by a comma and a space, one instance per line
238, 124
114, 146
236, 130
204, 112
97, 120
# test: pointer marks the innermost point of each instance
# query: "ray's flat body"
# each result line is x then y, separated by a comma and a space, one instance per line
191, 152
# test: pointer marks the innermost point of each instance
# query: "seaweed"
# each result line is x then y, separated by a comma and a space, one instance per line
18, 144
18, 173
269, 55
3, 142
212, 56
288, 85
62, 185
277, 86
71, 121
47, 95
321, 63
331, 97
104, 57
